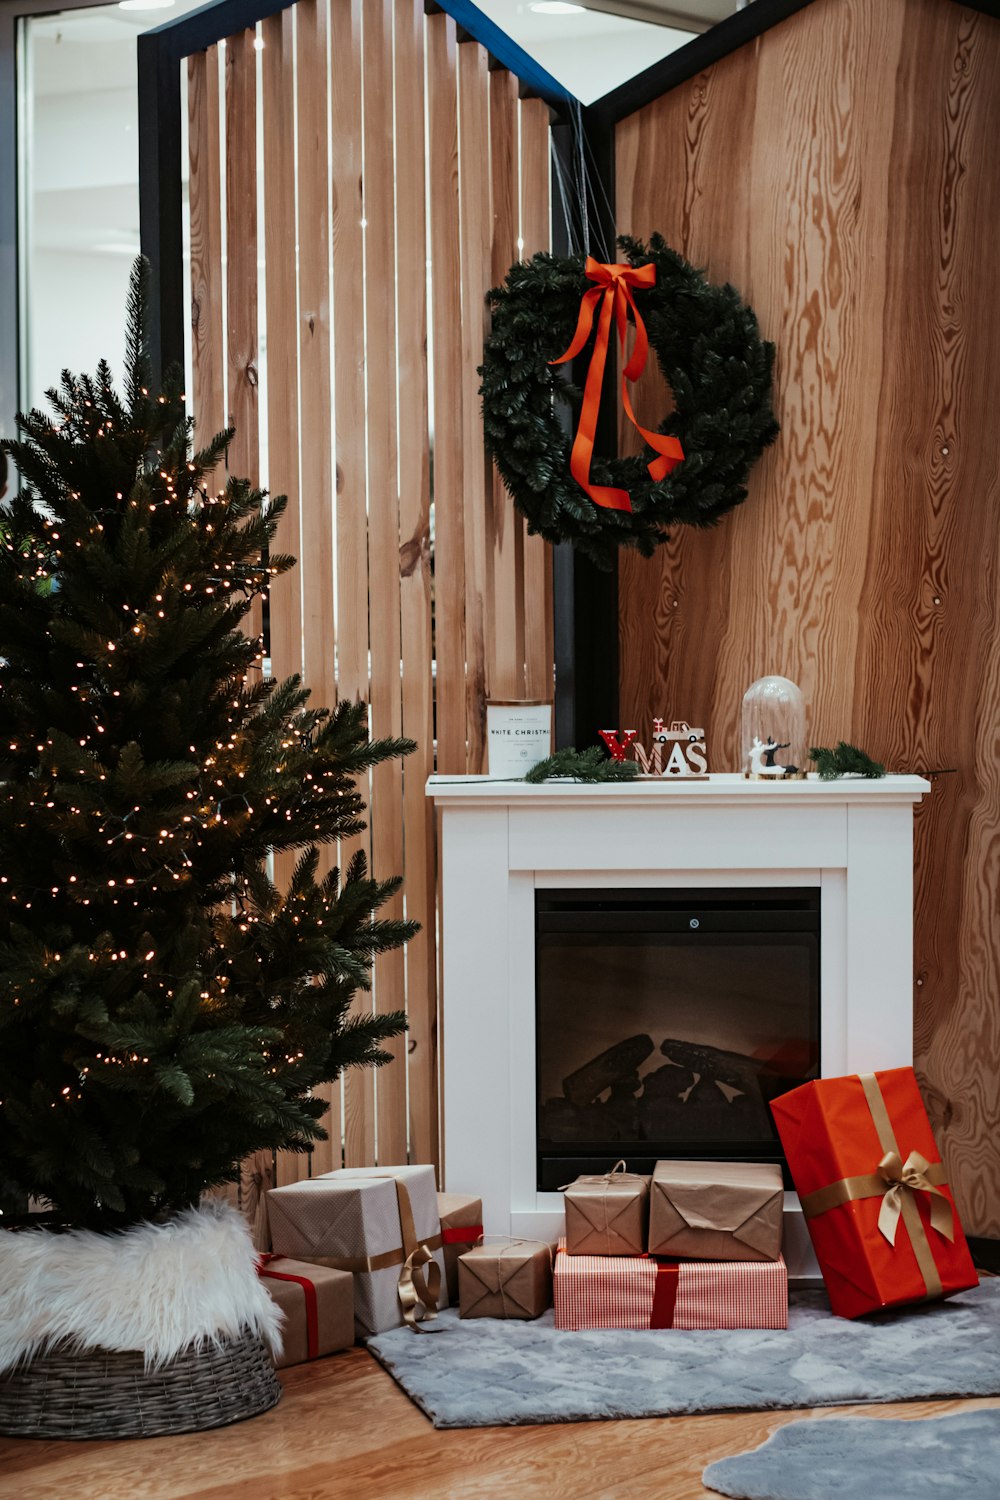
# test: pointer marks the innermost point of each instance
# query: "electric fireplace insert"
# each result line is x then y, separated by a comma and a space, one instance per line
666, 1021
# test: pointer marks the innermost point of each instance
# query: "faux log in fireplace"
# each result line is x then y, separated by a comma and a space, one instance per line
667, 1020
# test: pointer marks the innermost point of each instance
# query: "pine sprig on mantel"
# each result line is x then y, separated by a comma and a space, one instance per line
590, 765
845, 760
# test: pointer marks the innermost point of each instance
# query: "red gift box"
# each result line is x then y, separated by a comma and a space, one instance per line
873, 1191
645, 1291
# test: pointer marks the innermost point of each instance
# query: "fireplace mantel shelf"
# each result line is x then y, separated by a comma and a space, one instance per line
659, 791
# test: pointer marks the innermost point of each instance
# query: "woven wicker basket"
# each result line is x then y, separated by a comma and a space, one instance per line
97, 1394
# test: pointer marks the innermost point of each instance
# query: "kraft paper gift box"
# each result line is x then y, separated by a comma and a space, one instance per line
873, 1191
461, 1228
641, 1292
716, 1210
607, 1215
382, 1225
512, 1279
318, 1304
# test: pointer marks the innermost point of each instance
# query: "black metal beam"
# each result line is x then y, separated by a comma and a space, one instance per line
161, 225
585, 599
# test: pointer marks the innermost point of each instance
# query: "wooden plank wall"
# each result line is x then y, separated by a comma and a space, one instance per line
841, 171
417, 588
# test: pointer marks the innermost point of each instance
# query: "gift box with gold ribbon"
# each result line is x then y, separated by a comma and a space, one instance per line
318, 1304
607, 1214
379, 1223
873, 1191
461, 1228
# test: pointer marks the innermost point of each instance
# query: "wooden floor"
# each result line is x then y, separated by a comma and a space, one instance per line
344, 1431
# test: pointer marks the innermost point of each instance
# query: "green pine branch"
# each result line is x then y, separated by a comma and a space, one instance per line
845, 760
590, 765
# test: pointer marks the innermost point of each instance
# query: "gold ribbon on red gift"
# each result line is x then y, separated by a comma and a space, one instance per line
266, 1270
897, 1183
613, 290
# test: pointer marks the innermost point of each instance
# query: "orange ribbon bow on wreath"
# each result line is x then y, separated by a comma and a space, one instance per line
614, 291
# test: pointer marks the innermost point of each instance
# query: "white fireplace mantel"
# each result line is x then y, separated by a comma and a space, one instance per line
502, 840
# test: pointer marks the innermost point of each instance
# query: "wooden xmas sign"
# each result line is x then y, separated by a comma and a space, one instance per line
675, 751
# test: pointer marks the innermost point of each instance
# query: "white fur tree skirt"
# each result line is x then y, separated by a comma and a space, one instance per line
158, 1288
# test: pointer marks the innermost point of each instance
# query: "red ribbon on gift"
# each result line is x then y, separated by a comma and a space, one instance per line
308, 1288
664, 1294
614, 292
462, 1234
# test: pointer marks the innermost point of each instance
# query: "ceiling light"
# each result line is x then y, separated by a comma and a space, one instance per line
555, 8
145, 4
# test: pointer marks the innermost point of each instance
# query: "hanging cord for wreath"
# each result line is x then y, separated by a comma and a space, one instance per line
613, 290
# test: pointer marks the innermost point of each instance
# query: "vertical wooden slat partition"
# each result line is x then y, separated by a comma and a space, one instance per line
390, 206
205, 198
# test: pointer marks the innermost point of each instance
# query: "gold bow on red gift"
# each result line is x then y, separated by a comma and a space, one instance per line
914, 1175
613, 290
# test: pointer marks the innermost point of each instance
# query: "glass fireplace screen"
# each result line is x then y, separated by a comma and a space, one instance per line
667, 1021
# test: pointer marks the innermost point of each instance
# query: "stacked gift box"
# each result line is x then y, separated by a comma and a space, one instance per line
698, 1245
695, 1246
360, 1250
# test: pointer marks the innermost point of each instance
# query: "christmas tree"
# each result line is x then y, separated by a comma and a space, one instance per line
165, 1009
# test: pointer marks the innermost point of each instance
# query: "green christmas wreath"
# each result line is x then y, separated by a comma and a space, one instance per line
717, 366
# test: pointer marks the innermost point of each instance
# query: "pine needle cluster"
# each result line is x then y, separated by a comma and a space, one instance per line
591, 765
844, 760
165, 1008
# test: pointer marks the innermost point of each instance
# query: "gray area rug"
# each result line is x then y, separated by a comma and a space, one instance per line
489, 1373
929, 1458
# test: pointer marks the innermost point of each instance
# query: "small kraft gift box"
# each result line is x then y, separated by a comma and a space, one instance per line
379, 1223
642, 1292
607, 1215
318, 1304
461, 1228
873, 1191
716, 1210
509, 1279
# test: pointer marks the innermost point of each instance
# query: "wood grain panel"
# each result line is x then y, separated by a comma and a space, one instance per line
474, 190
932, 585
315, 437
446, 357
411, 587
278, 111
386, 813
280, 290
415, 577
241, 265
381, 1447
841, 171
350, 443
205, 199
536, 235
505, 531
316, 563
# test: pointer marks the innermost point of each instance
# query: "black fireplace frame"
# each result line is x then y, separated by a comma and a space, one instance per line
716, 910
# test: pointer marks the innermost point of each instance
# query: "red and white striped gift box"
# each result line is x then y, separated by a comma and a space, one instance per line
640, 1291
